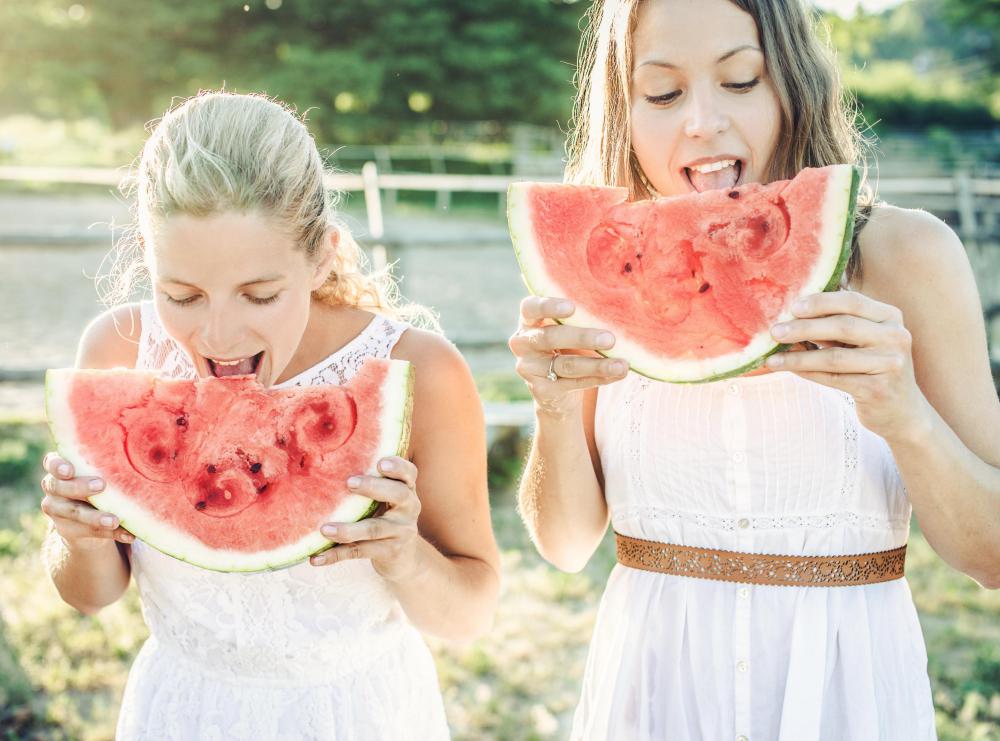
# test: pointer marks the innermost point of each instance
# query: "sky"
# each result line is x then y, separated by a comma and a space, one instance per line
846, 8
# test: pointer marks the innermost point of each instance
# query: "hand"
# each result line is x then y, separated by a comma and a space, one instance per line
864, 350
537, 344
78, 522
390, 540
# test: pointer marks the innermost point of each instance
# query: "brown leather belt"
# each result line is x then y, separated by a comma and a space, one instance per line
759, 568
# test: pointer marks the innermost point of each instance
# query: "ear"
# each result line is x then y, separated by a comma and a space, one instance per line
329, 255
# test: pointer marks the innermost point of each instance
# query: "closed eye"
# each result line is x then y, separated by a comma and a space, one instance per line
742, 86
665, 98
263, 301
180, 301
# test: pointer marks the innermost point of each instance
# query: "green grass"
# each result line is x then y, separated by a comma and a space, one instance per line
62, 673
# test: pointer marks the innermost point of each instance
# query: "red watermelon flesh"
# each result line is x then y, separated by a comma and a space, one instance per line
222, 472
690, 285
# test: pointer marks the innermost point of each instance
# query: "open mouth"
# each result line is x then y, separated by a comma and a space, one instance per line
715, 175
240, 367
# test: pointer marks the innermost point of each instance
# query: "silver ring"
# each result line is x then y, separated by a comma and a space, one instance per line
552, 375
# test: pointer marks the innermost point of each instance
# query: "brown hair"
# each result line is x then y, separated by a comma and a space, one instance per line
817, 119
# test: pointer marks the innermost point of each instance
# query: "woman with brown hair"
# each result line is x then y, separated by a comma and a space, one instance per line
747, 602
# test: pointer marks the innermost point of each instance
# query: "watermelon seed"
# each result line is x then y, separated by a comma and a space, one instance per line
262, 488
255, 468
302, 462
704, 287
226, 494
734, 194
211, 468
281, 441
201, 505
181, 422
628, 268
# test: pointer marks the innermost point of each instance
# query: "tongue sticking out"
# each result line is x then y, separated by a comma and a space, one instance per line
246, 367
724, 178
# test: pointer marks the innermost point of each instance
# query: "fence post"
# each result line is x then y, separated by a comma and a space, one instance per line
383, 156
373, 208
966, 206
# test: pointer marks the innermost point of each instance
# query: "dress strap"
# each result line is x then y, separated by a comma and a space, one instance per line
157, 350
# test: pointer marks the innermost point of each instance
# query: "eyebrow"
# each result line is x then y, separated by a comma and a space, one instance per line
723, 58
255, 281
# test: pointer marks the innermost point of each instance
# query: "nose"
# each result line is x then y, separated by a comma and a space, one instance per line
705, 118
220, 334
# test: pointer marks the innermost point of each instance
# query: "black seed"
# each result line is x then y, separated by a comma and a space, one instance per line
211, 468
262, 488
281, 441
200, 505
255, 468
764, 226
628, 268
734, 194
181, 422
302, 462
704, 287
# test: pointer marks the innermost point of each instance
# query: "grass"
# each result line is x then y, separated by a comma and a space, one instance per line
62, 673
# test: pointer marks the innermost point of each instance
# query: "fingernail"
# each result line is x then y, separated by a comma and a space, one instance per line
619, 366
354, 482
564, 307
779, 330
318, 560
387, 465
95, 485
64, 470
775, 361
605, 339
329, 530
108, 521
800, 305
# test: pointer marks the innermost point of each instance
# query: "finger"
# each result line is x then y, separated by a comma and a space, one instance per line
535, 310
832, 360
374, 528
351, 552
561, 337
574, 366
77, 511
80, 487
392, 492
843, 328
57, 466
846, 302
575, 384
400, 469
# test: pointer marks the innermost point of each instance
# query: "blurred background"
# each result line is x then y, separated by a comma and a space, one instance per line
434, 106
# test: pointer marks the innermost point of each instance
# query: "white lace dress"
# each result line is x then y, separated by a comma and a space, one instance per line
765, 464
302, 653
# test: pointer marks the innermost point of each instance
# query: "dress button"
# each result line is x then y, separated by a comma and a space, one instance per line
743, 523
739, 456
734, 389
742, 666
744, 592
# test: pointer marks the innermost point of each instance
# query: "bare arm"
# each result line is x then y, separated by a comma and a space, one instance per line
87, 556
925, 387
434, 544
561, 496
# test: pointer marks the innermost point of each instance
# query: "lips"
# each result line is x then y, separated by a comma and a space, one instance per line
247, 366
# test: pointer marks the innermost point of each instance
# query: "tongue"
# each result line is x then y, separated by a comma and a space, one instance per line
724, 178
242, 368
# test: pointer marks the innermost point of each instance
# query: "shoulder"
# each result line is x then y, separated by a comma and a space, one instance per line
431, 355
901, 247
112, 339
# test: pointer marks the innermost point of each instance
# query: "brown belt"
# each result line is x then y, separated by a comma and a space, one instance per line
758, 568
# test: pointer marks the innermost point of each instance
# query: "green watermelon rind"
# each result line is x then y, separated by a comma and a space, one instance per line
396, 405
839, 203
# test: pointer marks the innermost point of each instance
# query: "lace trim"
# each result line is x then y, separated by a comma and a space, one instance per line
850, 448
779, 522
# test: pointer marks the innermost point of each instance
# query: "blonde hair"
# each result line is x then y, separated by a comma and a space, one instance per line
224, 152
817, 120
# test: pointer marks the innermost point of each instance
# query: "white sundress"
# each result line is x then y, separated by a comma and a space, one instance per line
763, 464
302, 653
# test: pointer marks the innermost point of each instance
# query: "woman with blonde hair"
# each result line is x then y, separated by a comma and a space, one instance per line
251, 273
708, 628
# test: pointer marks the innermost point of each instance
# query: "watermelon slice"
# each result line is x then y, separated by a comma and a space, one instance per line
221, 472
690, 285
